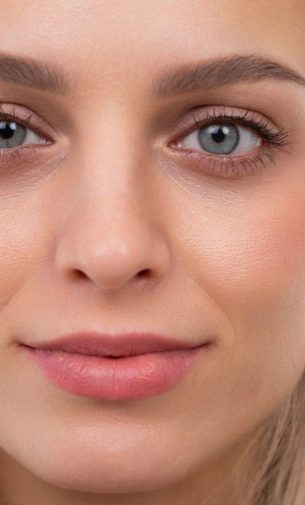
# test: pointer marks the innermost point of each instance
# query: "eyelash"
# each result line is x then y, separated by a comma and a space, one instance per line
13, 154
229, 164
238, 165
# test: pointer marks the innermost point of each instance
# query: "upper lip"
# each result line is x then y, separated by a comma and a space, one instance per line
101, 344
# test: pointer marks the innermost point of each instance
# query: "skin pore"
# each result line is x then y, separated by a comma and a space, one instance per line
108, 197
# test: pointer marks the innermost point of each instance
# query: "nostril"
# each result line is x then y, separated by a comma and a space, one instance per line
144, 273
80, 274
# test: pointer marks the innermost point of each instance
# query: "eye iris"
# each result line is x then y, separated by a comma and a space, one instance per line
11, 134
219, 139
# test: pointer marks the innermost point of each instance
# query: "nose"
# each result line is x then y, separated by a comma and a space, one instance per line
112, 239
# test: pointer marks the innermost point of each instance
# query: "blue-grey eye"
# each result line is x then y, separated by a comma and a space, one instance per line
14, 135
219, 139
222, 139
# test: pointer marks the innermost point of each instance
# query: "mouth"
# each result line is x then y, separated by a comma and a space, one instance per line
114, 346
107, 370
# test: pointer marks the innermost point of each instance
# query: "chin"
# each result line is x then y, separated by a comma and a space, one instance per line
108, 474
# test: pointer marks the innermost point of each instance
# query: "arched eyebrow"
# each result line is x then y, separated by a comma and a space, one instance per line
222, 71
218, 72
32, 73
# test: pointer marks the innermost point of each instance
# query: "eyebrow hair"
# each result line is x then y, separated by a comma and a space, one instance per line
188, 78
29, 72
221, 72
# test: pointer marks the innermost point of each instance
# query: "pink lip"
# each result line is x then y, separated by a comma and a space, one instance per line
144, 364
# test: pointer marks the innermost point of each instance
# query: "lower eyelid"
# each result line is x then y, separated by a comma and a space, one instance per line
226, 166
26, 154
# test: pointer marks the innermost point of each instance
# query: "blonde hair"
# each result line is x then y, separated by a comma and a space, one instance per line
274, 463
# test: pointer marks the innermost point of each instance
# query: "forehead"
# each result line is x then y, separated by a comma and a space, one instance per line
119, 37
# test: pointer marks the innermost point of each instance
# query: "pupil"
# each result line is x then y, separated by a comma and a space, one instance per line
7, 130
219, 136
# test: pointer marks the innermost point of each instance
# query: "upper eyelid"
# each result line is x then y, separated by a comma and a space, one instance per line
271, 135
238, 116
260, 123
28, 118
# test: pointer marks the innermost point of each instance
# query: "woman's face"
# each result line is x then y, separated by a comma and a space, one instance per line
119, 188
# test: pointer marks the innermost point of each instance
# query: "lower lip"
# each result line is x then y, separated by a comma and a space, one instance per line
116, 378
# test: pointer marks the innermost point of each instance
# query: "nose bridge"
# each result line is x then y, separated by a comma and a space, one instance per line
114, 215
110, 231
112, 173
109, 142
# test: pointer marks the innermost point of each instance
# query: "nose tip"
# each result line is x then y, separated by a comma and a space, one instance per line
111, 278
114, 256
111, 266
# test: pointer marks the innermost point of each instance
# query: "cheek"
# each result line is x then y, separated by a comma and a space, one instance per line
17, 245
250, 260
251, 254
23, 243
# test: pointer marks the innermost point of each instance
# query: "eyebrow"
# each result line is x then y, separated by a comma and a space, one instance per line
188, 78
221, 72
29, 72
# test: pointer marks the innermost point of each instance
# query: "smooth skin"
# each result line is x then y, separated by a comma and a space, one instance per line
109, 198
